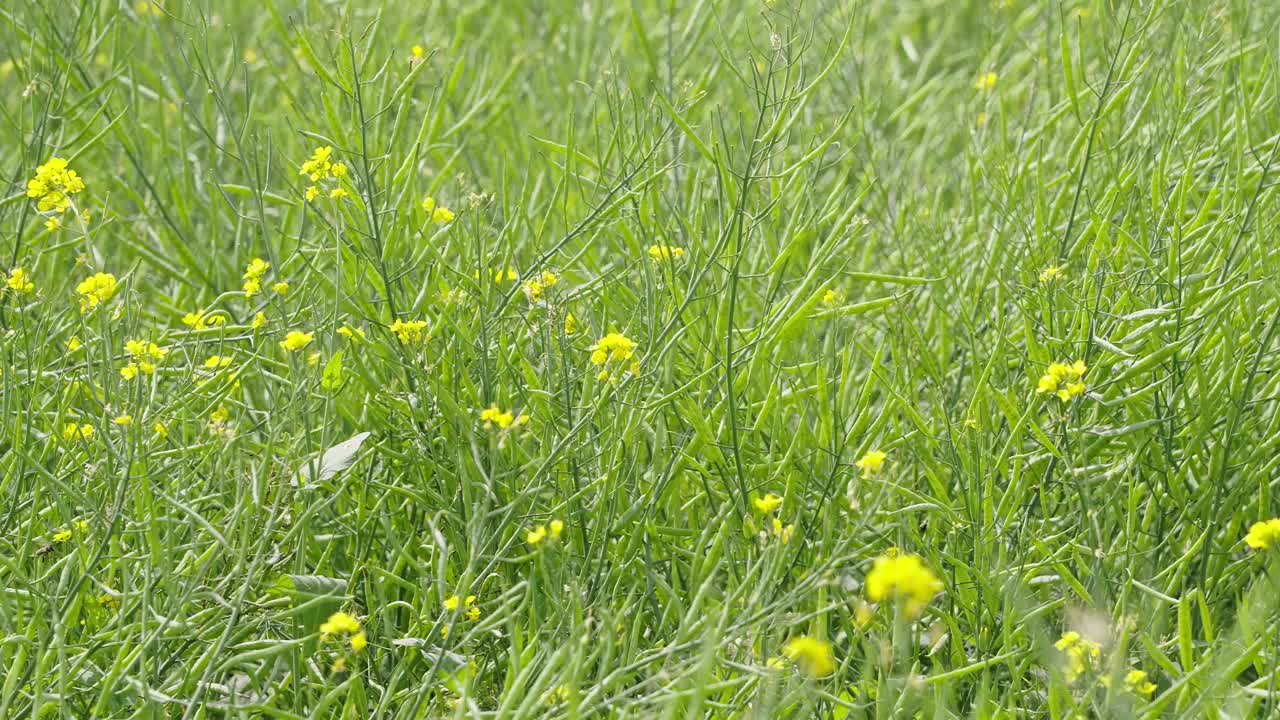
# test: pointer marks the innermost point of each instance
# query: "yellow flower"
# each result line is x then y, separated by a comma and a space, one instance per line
811, 654
833, 298
442, 215
1264, 534
259, 320
53, 185
339, 623
130, 371
614, 346
536, 535
428, 204
499, 275
313, 358
281, 287
359, 641
339, 170
62, 536
355, 335
418, 52
253, 276
533, 289
1051, 273
124, 420
783, 532
570, 324
660, 253
200, 320
95, 290
1065, 381
312, 192
73, 344
160, 429
1136, 682
408, 330
557, 695
318, 167
217, 361
986, 81
296, 340
72, 431
871, 462
337, 194
1081, 653
905, 577
19, 281
767, 504
556, 527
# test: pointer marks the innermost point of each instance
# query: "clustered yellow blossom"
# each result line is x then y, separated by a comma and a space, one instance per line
871, 462
123, 420
812, 655
355, 335
295, 340
96, 290
72, 431
986, 81
570, 324
499, 275
408, 330
539, 533
1264, 534
534, 289
783, 532
833, 298
19, 281
1081, 653
665, 253
253, 276
53, 186
469, 604
557, 695
904, 577
143, 358
1051, 273
1135, 681
767, 504
491, 416
438, 213
320, 168
1063, 380
201, 320
614, 347
340, 625
259, 320
65, 534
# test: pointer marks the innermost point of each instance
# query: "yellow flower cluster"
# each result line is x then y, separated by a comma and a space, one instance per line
341, 624
871, 462
491, 416
1081, 653
1051, 273
833, 298
614, 347
320, 168
53, 186
200, 320
295, 340
253, 276
661, 253
904, 577
1135, 681
539, 533
812, 655
1063, 380
72, 431
19, 281
1264, 534
96, 290
534, 289
79, 526
355, 335
499, 275
439, 214
143, 358
469, 604
767, 504
409, 330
